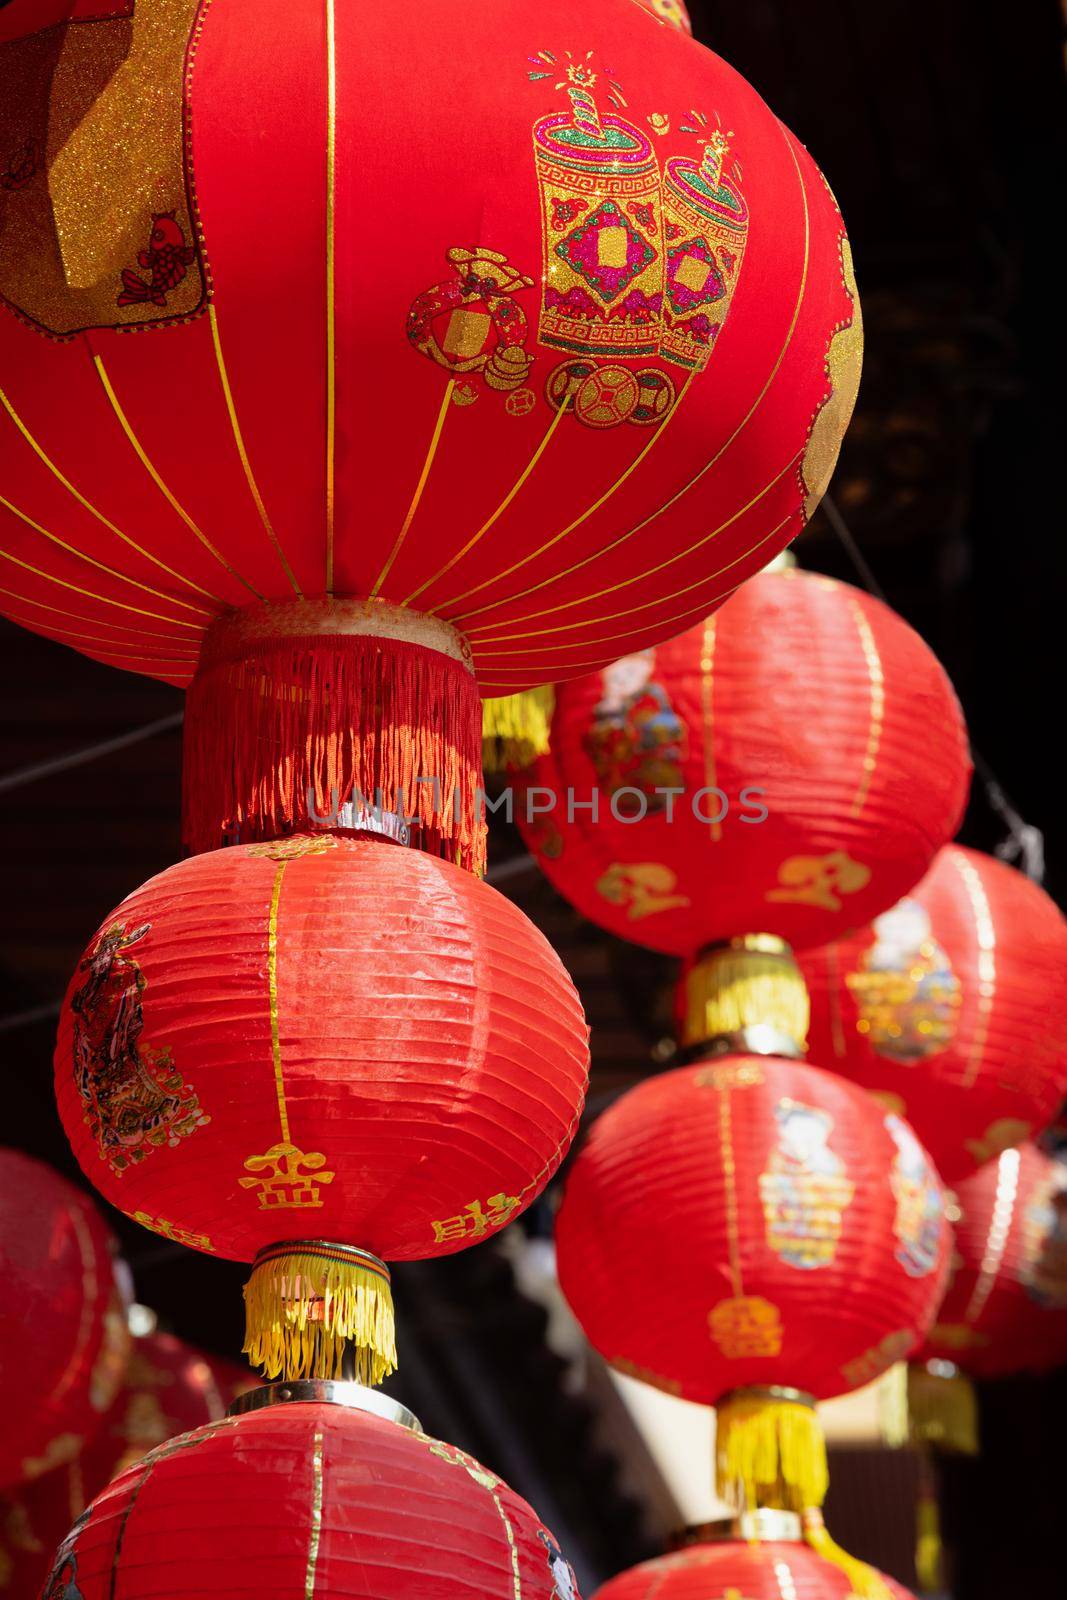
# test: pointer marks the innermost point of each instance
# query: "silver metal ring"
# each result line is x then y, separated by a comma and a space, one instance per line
759, 1039
323, 1391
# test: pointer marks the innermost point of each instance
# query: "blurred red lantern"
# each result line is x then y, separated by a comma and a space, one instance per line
952, 1008
63, 1339
169, 1389
367, 457
1006, 1306
311, 1499
761, 1569
741, 1229
317, 1053
759, 774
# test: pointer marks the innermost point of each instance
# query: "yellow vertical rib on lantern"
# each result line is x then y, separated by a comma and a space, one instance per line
307, 1302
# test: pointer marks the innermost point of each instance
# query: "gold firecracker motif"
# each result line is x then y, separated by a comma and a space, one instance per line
287, 1178
804, 1190
746, 1326
906, 993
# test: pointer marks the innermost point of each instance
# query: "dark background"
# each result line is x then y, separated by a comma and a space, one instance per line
940, 125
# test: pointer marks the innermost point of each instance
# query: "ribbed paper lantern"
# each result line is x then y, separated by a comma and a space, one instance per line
736, 1569
1006, 1306
317, 1053
506, 339
316, 1500
63, 1339
952, 1008
741, 1229
788, 727
169, 1389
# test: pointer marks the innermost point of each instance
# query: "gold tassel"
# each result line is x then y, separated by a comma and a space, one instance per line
770, 1450
307, 1302
866, 1583
942, 1409
928, 1548
749, 983
515, 728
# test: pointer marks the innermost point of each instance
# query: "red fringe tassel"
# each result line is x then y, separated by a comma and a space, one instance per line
334, 715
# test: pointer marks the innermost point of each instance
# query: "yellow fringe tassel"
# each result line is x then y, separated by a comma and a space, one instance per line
753, 981
943, 1410
866, 1583
515, 728
770, 1451
928, 1549
307, 1305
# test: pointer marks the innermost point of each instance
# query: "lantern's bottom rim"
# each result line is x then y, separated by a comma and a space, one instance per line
326, 1391
768, 1391
325, 1250
758, 1039
764, 1525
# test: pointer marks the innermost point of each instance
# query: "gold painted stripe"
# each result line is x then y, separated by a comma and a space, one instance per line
837, 1027
419, 487
985, 934
100, 566
707, 663
272, 987
746, 419
43, 456
175, 505
590, 511
516, 1571
91, 594
876, 678
331, 303
998, 1235
315, 1531
501, 508
97, 622
729, 1167
239, 441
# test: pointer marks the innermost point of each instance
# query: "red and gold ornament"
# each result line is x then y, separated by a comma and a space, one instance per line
63, 1338
952, 1008
312, 1498
437, 367
316, 1054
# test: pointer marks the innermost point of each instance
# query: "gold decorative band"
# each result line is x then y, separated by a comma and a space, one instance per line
231, 636
768, 1391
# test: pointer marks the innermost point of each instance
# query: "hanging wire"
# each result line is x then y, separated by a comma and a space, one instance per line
1025, 843
92, 752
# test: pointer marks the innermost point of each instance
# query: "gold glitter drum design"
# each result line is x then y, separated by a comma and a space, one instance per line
640, 262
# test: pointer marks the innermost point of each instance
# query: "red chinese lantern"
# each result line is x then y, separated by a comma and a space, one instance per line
507, 339
315, 1499
1006, 1306
759, 774
754, 1234
169, 1389
755, 1569
314, 1054
63, 1339
952, 1008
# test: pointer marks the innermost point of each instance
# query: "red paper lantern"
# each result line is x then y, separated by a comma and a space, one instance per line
952, 1008
770, 1569
169, 1389
310, 1499
748, 1228
1005, 1310
800, 704
504, 339
63, 1339
321, 1039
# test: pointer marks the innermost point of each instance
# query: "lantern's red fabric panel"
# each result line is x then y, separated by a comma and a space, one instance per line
803, 701
311, 1500
1006, 1306
63, 1339
531, 317
952, 1008
168, 1389
750, 1221
732, 1569
320, 1038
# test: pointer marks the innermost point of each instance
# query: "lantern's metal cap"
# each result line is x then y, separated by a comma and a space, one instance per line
758, 1039
768, 1391
323, 1391
762, 1526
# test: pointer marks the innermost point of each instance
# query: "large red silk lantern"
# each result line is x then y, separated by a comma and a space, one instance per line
473, 347
63, 1339
754, 1234
315, 1054
314, 1500
746, 1569
1005, 1310
762, 773
168, 1389
952, 1008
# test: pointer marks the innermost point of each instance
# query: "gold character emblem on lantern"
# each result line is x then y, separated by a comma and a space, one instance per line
819, 880
642, 889
745, 1326
287, 1178
804, 1189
